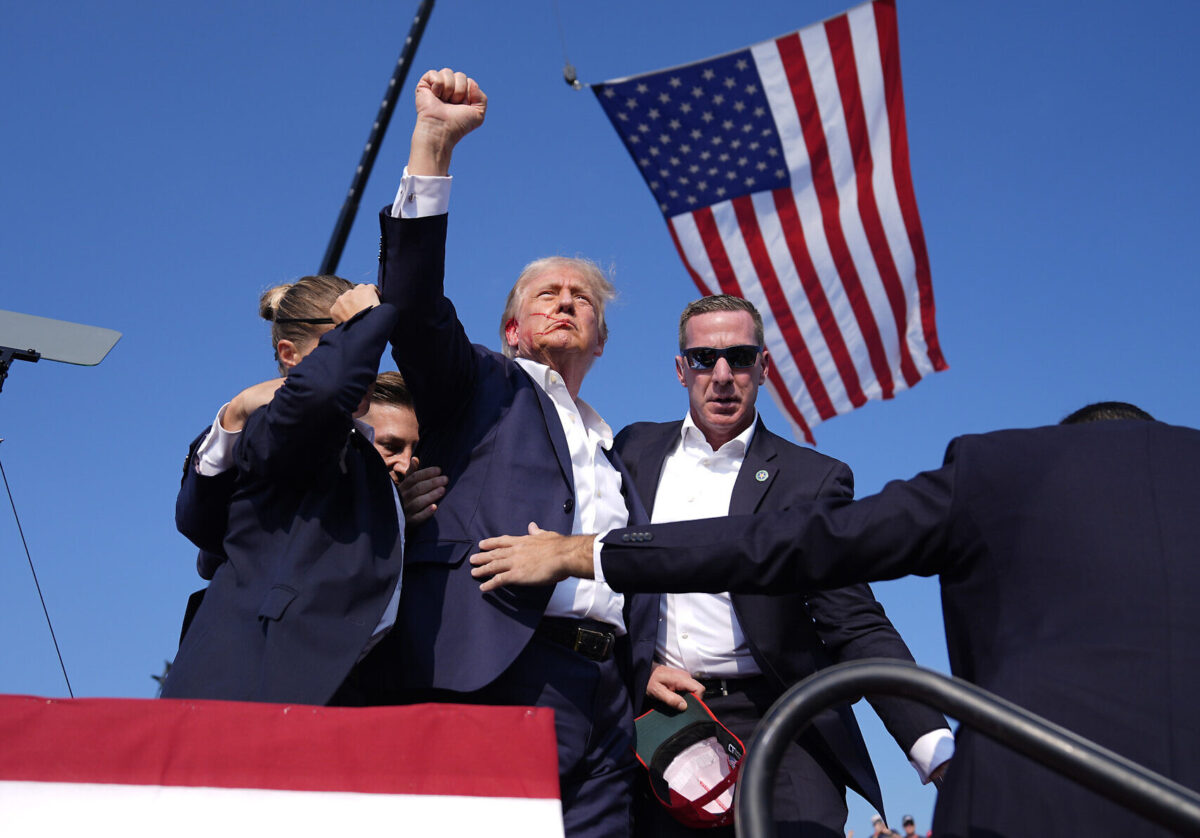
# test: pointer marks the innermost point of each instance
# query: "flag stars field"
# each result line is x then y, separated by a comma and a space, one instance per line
731, 115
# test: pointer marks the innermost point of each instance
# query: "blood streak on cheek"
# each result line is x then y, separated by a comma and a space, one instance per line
554, 321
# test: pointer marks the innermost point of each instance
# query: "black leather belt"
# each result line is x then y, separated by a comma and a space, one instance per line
725, 686
590, 638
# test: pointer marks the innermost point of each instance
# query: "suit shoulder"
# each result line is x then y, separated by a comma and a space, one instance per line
1108, 434
640, 433
802, 454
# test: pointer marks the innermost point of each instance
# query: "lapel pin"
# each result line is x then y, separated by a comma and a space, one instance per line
761, 475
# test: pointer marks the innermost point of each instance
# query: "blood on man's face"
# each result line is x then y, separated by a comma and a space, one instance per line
557, 315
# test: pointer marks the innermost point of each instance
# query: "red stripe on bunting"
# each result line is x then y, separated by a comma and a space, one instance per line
791, 51
743, 208
889, 58
793, 234
437, 749
845, 66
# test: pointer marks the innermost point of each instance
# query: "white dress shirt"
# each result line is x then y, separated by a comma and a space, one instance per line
599, 505
700, 633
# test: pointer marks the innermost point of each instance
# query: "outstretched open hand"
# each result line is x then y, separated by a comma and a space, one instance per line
540, 558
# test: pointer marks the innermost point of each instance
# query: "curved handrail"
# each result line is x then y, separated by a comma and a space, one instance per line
1121, 780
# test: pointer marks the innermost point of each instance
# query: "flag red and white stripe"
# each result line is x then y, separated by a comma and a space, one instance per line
782, 171
204, 768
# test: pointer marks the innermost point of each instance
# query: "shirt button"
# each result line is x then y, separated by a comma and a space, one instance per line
684, 635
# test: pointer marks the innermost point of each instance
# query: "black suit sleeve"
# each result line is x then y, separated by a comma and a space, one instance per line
853, 626
307, 419
903, 530
303, 429
202, 506
429, 344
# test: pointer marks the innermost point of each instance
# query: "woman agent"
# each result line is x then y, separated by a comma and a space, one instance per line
313, 537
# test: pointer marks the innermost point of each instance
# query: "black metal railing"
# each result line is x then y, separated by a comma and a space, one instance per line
1122, 781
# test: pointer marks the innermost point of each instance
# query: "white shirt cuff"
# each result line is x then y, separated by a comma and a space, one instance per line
597, 546
930, 751
421, 195
215, 454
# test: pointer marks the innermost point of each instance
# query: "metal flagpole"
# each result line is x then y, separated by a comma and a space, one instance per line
341, 231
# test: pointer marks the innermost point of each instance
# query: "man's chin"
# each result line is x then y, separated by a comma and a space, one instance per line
562, 342
727, 422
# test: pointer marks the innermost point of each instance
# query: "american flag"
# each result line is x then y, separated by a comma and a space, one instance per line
782, 171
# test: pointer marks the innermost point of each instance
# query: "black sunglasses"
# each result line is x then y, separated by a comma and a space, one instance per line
312, 321
706, 357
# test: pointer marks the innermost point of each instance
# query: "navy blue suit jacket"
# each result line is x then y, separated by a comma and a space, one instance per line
793, 635
311, 535
496, 435
1069, 575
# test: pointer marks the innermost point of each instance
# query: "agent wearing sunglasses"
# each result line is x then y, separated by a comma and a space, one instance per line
741, 652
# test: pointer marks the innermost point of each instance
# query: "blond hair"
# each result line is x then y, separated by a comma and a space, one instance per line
308, 298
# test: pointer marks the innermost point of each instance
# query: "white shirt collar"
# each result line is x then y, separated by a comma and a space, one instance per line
552, 384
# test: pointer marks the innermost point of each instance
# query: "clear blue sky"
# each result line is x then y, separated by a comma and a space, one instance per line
165, 162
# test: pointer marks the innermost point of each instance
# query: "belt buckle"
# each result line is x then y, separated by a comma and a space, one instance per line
593, 644
722, 688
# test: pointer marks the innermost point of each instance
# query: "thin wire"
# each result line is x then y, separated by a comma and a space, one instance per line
568, 67
35, 579
562, 38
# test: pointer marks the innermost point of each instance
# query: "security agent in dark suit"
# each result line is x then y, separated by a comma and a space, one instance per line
312, 535
742, 651
203, 509
1067, 561
517, 445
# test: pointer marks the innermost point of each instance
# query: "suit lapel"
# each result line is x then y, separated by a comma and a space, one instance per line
650, 463
759, 471
629, 490
553, 427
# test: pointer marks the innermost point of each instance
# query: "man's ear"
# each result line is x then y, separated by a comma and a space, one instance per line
679, 368
766, 363
289, 356
511, 332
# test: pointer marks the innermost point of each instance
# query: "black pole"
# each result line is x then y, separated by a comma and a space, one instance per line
341, 231
1122, 781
